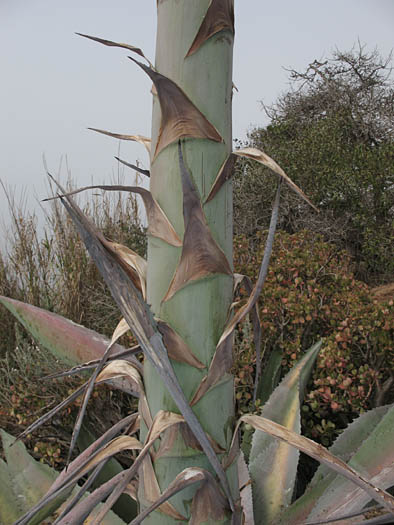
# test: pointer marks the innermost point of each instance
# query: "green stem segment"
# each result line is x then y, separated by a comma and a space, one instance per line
197, 312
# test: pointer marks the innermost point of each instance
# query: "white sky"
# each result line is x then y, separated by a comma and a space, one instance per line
53, 84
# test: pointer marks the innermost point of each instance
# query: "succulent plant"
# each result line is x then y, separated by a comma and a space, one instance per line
179, 306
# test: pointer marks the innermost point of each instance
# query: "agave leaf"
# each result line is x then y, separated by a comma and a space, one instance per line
68, 341
367, 446
273, 463
219, 17
10, 504
245, 490
145, 141
263, 158
109, 43
271, 375
138, 315
177, 349
134, 167
29, 480
158, 224
201, 256
180, 118
222, 360
65, 481
317, 452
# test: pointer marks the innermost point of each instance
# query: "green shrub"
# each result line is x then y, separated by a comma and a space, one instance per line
311, 292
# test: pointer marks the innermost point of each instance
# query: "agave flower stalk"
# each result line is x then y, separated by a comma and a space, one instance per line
194, 49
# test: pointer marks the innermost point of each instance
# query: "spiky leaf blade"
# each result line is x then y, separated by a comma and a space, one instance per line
68, 341
273, 464
367, 446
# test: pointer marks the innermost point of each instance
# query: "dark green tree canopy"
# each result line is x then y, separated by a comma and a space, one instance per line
333, 133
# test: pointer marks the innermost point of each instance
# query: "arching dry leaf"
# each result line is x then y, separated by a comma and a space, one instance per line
219, 17
208, 502
180, 118
138, 315
145, 141
135, 261
162, 421
263, 158
158, 224
177, 349
225, 173
151, 490
318, 452
121, 328
125, 370
201, 256
134, 167
109, 43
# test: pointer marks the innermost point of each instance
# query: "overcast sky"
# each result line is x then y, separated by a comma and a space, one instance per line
53, 84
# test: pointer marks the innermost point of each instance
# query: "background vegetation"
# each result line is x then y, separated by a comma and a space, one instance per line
334, 136
333, 133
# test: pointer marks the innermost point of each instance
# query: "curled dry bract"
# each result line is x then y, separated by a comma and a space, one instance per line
177, 349
145, 141
201, 255
109, 43
180, 118
219, 17
263, 158
158, 223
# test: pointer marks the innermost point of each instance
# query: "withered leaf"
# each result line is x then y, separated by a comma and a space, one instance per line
201, 256
219, 368
222, 359
263, 158
318, 452
177, 349
219, 17
225, 173
158, 223
125, 370
145, 141
134, 167
180, 118
208, 501
109, 43
137, 263
152, 494
138, 315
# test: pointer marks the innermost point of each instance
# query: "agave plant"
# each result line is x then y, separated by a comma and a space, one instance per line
180, 307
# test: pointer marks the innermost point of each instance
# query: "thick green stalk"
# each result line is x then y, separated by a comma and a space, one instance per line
198, 311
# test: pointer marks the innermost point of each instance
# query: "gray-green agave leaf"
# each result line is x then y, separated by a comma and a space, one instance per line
273, 463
